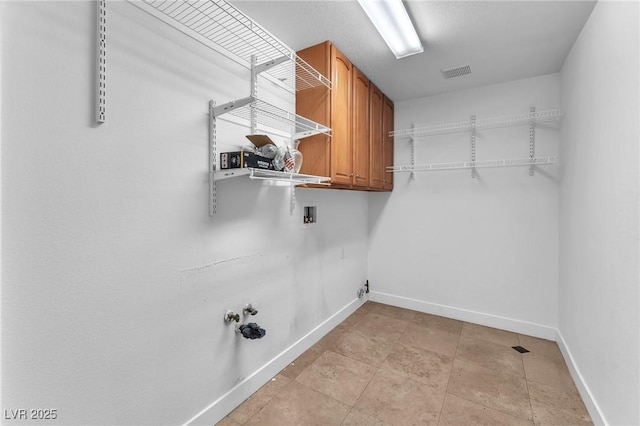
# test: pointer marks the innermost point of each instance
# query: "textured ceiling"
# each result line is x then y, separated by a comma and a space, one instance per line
500, 40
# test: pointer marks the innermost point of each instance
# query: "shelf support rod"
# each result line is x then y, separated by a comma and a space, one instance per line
473, 146
413, 153
265, 66
230, 106
532, 136
292, 199
254, 94
212, 159
101, 66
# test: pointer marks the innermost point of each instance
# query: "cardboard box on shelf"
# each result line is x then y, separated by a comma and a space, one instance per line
243, 159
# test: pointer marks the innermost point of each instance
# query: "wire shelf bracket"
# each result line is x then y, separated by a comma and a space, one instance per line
247, 107
213, 154
101, 65
473, 145
272, 116
225, 29
532, 136
532, 118
487, 123
271, 175
537, 161
221, 27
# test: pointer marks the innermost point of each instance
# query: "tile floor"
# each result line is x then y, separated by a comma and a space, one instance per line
391, 366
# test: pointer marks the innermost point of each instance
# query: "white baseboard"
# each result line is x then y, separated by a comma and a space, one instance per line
587, 397
218, 409
509, 324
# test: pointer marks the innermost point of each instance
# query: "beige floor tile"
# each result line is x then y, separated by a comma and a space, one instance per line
405, 379
354, 318
553, 406
227, 421
366, 307
294, 369
382, 326
457, 412
546, 370
490, 355
393, 311
502, 392
337, 376
540, 346
432, 339
495, 335
259, 399
300, 405
442, 323
358, 418
365, 348
425, 366
399, 400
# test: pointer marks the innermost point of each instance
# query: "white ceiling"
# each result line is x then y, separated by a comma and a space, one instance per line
500, 40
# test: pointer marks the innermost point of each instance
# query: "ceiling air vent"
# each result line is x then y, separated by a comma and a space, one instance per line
456, 72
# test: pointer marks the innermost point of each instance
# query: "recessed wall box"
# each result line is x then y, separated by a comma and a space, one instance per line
309, 215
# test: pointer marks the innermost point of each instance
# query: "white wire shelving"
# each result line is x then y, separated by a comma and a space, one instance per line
272, 175
487, 123
218, 23
474, 164
269, 115
226, 30
472, 126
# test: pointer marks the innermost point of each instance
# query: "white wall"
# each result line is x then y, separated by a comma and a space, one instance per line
483, 249
599, 281
114, 277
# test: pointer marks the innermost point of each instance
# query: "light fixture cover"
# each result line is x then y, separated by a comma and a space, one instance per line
394, 25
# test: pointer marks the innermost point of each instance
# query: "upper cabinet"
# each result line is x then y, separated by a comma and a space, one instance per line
376, 142
353, 156
360, 126
340, 105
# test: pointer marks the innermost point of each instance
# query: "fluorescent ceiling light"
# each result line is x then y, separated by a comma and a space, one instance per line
392, 22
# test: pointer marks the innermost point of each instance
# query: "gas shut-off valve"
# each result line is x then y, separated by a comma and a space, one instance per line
231, 316
249, 310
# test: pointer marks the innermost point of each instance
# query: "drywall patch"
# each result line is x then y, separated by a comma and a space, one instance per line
232, 261
220, 280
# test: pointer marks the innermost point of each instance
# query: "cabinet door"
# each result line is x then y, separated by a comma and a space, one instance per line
360, 140
387, 148
314, 104
341, 152
376, 163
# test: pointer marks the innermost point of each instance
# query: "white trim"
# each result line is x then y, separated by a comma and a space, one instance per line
509, 324
587, 397
218, 409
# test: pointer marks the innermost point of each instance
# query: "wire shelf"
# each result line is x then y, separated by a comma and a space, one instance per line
487, 123
271, 116
218, 22
272, 175
538, 161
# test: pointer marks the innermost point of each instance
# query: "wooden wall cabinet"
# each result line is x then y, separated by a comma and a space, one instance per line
360, 126
376, 141
354, 155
